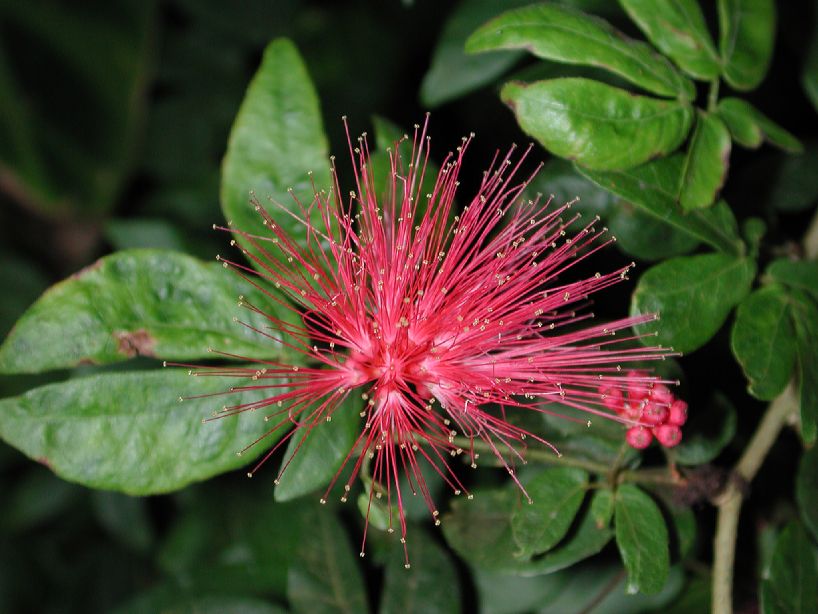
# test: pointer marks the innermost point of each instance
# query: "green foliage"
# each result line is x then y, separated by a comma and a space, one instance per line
83, 431
561, 34
705, 166
792, 582
153, 303
642, 539
806, 492
677, 29
600, 127
763, 341
556, 495
749, 127
694, 295
277, 144
708, 432
747, 33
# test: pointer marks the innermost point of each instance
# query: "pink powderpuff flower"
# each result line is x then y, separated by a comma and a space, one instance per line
442, 329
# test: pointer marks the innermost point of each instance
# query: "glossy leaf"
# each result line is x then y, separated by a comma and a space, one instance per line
792, 582
561, 34
430, 585
128, 431
802, 274
325, 576
140, 303
710, 429
653, 187
642, 538
314, 455
750, 127
677, 28
763, 341
806, 490
645, 237
805, 321
694, 295
747, 35
705, 166
453, 72
276, 140
556, 495
598, 126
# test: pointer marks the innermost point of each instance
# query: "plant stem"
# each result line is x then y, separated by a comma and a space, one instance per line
713, 95
729, 502
644, 476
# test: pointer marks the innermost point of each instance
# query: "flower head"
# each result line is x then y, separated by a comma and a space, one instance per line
441, 322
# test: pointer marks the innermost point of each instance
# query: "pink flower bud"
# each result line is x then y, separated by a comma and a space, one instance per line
678, 413
661, 394
637, 390
654, 414
669, 435
638, 437
612, 398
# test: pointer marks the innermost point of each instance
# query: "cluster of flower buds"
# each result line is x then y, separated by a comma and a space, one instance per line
657, 412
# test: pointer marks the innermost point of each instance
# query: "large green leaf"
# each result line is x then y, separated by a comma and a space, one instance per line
677, 28
129, 432
747, 35
805, 321
562, 34
654, 188
763, 341
429, 586
140, 303
556, 495
314, 454
705, 166
644, 236
694, 295
806, 489
750, 127
325, 577
642, 538
453, 72
598, 126
710, 429
792, 582
276, 140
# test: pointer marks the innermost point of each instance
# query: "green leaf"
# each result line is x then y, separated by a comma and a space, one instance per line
707, 433
598, 126
316, 451
276, 140
809, 69
750, 127
802, 274
561, 34
805, 321
792, 583
479, 530
642, 538
763, 341
806, 489
169, 599
694, 295
128, 431
705, 166
140, 303
677, 28
325, 576
644, 236
429, 586
747, 35
653, 187
602, 507
453, 72
556, 495
134, 233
